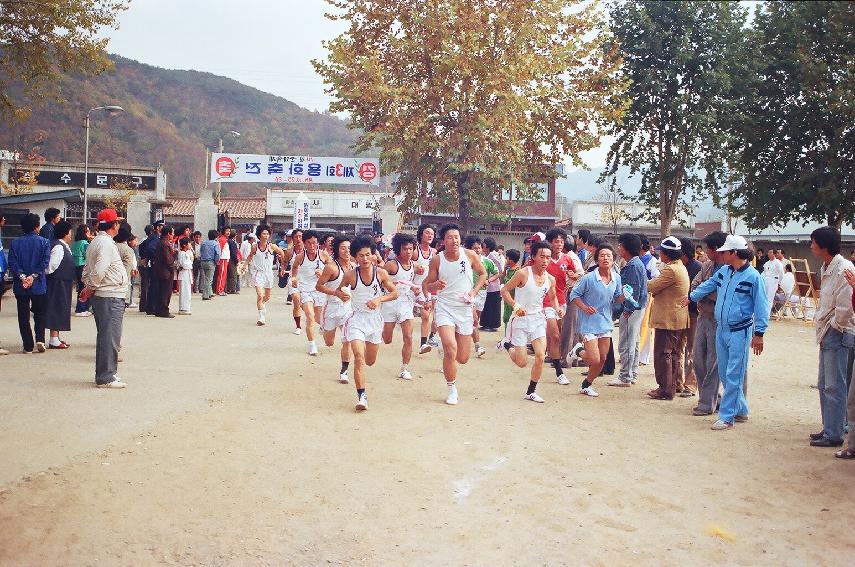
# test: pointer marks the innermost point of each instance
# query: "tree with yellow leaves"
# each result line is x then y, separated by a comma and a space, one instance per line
465, 98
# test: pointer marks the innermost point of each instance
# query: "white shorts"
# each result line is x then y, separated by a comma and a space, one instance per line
551, 313
397, 311
311, 295
523, 331
262, 279
592, 337
479, 301
458, 316
365, 327
335, 314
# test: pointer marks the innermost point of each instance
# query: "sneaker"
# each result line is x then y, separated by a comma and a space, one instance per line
589, 391
261, 320
574, 354
115, 384
83, 314
563, 380
405, 375
185, 312
343, 378
362, 404
452, 396
687, 393
697, 412
480, 352
40, 347
617, 382
533, 397
721, 425
3, 351
298, 330
433, 341
313, 349
741, 418
425, 348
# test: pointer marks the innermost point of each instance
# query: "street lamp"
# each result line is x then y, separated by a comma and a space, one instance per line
111, 110
235, 135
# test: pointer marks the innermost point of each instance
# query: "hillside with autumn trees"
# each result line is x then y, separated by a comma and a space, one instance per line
170, 118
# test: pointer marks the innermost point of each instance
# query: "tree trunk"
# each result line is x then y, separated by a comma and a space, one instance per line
463, 196
835, 219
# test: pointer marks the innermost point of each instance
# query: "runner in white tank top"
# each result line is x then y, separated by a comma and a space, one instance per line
336, 311
260, 270
305, 271
527, 325
402, 270
424, 254
371, 287
450, 276
295, 249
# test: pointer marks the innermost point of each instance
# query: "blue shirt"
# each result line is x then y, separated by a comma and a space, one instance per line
209, 251
741, 298
635, 274
29, 255
593, 292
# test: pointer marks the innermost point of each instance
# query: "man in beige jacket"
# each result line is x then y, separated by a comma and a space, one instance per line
669, 317
107, 284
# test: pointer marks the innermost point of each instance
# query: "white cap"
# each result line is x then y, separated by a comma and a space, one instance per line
734, 242
670, 243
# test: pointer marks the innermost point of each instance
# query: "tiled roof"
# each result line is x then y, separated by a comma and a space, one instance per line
237, 208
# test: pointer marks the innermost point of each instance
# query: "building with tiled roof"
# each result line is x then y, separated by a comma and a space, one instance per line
241, 212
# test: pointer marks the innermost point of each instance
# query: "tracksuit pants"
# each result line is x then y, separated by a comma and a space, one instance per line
732, 348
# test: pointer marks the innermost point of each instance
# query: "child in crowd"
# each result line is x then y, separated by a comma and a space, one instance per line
512, 265
185, 276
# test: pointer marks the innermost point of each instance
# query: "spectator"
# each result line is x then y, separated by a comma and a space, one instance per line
234, 257
82, 236
688, 384
849, 452
209, 255
491, 316
835, 335
28, 259
129, 260
760, 260
148, 297
106, 283
196, 248
630, 313
245, 249
669, 318
223, 263
60, 275
51, 218
163, 274
773, 272
512, 265
3, 267
185, 276
581, 243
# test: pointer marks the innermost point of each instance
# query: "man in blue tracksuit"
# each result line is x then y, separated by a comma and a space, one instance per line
741, 307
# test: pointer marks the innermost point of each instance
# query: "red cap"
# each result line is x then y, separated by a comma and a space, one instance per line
109, 215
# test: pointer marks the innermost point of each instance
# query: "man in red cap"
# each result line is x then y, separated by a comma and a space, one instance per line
106, 284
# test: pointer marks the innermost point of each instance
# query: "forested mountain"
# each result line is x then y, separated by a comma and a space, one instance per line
170, 117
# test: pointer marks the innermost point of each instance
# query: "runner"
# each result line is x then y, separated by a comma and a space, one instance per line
336, 311
560, 267
296, 247
259, 270
475, 244
424, 253
306, 269
402, 270
363, 329
594, 295
531, 286
450, 277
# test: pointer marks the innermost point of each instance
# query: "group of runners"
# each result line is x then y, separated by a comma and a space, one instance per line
342, 285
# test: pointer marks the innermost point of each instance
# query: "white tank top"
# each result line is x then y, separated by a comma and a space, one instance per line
457, 275
403, 279
306, 273
530, 296
333, 284
364, 292
262, 261
423, 261
294, 254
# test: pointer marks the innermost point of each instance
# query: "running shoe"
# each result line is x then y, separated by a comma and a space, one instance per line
343, 378
362, 404
574, 354
589, 391
452, 395
115, 384
261, 320
433, 341
405, 375
533, 397
425, 348
617, 382
313, 349
298, 330
480, 352
720, 425
562, 379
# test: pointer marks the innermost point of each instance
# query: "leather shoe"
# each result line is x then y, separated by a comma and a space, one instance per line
826, 442
815, 436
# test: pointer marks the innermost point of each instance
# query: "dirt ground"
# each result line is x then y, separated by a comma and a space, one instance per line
231, 446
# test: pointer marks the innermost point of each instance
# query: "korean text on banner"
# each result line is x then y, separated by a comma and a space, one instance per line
256, 168
302, 212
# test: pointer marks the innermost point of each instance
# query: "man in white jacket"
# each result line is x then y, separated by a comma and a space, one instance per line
106, 283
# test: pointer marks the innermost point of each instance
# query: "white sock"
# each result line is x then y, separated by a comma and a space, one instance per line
311, 344
260, 313
451, 384
54, 341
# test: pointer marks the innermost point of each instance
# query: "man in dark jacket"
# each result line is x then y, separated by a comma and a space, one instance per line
147, 248
29, 256
630, 311
232, 275
51, 218
163, 272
